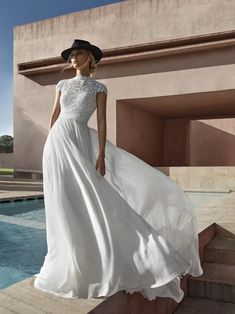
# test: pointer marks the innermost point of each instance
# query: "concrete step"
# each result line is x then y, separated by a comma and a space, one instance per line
192, 305
220, 250
20, 181
216, 283
22, 187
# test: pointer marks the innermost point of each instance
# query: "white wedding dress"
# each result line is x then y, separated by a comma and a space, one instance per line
133, 229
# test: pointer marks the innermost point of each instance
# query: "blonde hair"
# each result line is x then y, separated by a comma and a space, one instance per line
92, 66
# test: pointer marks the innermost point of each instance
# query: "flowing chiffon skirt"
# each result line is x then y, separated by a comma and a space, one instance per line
133, 229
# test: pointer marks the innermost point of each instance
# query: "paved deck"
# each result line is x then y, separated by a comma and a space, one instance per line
23, 298
15, 188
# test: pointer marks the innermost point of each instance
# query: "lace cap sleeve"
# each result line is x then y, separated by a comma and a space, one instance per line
100, 87
59, 85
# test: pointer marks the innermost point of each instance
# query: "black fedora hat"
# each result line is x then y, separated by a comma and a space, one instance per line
82, 44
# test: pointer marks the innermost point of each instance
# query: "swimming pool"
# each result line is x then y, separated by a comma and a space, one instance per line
22, 240
23, 236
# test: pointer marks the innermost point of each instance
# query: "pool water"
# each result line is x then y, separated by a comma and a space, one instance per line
22, 240
23, 236
27, 209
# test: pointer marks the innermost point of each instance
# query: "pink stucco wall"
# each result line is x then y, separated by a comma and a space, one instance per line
134, 126
165, 63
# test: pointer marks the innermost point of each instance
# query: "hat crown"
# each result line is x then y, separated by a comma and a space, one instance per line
79, 42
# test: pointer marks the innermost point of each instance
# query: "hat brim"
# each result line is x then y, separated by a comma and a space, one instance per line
96, 52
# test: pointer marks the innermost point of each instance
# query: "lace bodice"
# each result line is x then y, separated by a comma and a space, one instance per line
78, 97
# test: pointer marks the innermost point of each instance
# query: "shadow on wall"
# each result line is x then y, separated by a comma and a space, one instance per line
163, 64
52, 78
210, 145
159, 64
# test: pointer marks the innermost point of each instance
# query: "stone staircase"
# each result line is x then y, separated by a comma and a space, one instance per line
214, 291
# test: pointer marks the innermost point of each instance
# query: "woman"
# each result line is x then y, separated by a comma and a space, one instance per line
113, 221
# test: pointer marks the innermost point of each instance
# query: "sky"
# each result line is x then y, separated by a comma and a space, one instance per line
18, 12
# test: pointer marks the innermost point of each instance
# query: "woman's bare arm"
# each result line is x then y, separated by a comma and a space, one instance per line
101, 99
56, 109
101, 120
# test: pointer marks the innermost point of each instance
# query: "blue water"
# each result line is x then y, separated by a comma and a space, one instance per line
27, 209
22, 240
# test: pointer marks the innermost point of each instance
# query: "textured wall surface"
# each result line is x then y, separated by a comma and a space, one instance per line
189, 85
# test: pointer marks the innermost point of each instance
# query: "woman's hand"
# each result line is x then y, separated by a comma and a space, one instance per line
100, 164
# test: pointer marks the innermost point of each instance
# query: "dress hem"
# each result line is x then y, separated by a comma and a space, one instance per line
138, 289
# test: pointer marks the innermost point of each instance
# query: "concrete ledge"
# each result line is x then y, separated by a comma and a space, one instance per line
23, 298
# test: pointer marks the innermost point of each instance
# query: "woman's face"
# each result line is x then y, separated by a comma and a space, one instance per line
80, 58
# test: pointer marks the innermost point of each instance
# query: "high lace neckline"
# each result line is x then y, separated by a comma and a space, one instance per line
81, 76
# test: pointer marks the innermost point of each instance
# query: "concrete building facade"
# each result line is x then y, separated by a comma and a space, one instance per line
169, 69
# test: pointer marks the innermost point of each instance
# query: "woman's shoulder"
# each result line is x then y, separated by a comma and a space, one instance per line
100, 87
60, 84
